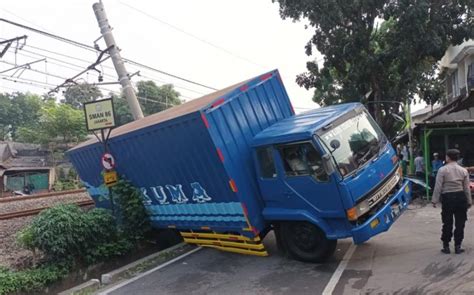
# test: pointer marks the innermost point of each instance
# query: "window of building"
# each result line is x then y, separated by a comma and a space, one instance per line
455, 84
266, 162
303, 159
470, 76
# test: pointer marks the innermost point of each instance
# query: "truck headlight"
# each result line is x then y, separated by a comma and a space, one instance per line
359, 210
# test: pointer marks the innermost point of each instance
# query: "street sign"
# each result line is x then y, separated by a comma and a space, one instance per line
99, 114
110, 178
108, 161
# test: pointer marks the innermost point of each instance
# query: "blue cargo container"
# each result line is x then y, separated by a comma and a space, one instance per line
193, 162
226, 168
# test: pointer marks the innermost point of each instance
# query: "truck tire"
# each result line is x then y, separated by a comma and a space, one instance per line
306, 242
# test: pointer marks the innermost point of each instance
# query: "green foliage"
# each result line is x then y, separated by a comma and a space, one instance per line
64, 122
122, 111
18, 110
65, 231
387, 48
61, 174
56, 122
160, 97
133, 217
60, 232
31, 280
26, 238
152, 99
63, 185
77, 95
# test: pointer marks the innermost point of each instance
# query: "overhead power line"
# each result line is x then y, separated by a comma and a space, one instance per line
92, 49
191, 35
67, 65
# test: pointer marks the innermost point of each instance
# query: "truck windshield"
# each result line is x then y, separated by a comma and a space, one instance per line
360, 139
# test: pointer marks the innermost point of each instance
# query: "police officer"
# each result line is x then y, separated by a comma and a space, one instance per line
452, 189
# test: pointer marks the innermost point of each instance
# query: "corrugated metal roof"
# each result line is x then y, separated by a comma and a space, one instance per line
303, 125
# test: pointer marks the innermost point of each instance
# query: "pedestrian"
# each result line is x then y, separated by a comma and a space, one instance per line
436, 164
420, 165
403, 164
404, 153
452, 190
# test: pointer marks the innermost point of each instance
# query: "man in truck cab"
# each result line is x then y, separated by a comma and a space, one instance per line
452, 189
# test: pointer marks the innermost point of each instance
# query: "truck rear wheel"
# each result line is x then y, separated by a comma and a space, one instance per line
306, 242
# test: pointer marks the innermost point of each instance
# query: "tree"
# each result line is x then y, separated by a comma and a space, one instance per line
77, 95
18, 110
386, 48
152, 99
155, 98
58, 123
122, 110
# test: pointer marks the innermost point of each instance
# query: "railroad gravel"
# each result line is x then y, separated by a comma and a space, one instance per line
15, 206
11, 254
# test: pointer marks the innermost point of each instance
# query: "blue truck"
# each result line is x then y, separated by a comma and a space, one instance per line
227, 168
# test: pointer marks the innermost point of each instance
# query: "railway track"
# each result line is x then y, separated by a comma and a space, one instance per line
40, 196
36, 203
35, 211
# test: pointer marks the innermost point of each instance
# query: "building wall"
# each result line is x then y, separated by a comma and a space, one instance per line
456, 62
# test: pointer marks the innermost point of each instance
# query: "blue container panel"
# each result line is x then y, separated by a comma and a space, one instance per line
177, 168
234, 123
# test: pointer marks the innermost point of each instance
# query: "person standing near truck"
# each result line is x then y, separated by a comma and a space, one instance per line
436, 164
452, 190
420, 166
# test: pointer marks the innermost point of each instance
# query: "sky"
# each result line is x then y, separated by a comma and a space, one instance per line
212, 42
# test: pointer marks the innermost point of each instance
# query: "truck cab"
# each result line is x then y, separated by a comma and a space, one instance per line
325, 175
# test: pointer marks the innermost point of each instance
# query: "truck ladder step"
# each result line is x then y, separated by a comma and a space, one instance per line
226, 242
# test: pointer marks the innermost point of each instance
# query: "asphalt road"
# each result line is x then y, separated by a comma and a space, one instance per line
406, 260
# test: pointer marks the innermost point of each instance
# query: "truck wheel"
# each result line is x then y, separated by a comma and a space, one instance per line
307, 242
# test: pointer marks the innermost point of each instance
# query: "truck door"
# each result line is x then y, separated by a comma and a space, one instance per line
272, 186
306, 184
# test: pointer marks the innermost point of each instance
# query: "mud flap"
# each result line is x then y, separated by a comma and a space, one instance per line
226, 242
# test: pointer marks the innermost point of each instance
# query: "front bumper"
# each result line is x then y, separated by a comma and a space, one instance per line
385, 217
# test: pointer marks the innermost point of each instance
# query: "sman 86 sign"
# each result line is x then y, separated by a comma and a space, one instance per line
99, 114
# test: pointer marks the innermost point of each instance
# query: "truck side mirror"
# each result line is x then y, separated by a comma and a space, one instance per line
335, 144
328, 164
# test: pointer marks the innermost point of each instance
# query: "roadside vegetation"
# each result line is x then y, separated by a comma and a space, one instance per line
65, 237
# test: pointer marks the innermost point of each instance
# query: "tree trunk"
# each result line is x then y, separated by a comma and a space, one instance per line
377, 97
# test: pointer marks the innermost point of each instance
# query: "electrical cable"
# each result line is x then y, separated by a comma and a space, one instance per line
92, 49
190, 34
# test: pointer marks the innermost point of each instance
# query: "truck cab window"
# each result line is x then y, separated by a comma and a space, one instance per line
266, 162
303, 159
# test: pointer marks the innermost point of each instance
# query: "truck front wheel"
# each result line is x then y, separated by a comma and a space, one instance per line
306, 242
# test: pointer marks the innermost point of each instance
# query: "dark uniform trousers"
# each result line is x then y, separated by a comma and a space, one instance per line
453, 205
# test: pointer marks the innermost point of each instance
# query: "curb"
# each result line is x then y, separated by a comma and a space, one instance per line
130, 270
144, 263
84, 288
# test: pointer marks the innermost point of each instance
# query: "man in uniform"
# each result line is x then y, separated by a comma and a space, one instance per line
452, 189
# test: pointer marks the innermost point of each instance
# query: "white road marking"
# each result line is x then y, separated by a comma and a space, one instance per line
340, 269
118, 286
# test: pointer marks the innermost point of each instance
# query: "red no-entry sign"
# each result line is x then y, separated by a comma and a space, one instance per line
108, 161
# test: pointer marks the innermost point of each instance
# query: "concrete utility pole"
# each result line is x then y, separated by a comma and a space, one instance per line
114, 52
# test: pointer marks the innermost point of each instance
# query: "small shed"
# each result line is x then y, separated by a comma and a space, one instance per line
24, 167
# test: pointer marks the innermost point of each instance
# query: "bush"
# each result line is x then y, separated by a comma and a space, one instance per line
132, 215
65, 185
60, 231
31, 280
65, 231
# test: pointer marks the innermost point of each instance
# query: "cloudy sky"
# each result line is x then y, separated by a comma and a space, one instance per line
216, 43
